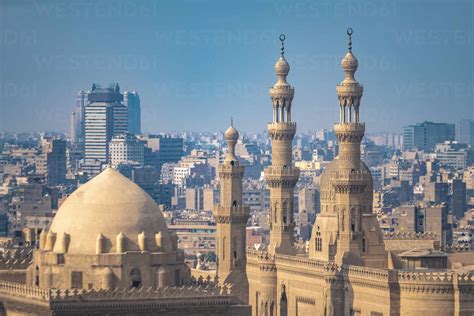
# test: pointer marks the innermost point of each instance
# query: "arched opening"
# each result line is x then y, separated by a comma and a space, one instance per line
363, 245
283, 302
135, 278
232, 163
234, 203
37, 278
272, 307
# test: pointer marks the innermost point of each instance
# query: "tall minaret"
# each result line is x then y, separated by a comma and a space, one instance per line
281, 176
346, 231
353, 181
231, 217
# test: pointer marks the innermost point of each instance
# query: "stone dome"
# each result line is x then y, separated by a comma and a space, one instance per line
231, 133
108, 205
326, 183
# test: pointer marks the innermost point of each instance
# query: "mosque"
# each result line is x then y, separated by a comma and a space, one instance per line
109, 251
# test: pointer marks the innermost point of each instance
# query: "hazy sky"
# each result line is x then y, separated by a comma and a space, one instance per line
197, 62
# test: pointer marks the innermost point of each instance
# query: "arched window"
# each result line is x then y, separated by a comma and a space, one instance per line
37, 278
363, 244
234, 203
234, 250
283, 302
223, 248
135, 278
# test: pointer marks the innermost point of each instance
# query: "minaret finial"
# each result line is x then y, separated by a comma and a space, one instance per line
282, 40
349, 32
231, 121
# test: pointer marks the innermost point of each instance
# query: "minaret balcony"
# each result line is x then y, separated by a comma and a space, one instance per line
349, 89
282, 131
282, 126
228, 170
231, 214
349, 132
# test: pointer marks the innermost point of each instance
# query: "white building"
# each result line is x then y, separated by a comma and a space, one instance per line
126, 148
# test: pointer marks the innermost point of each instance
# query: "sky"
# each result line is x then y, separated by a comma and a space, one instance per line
196, 63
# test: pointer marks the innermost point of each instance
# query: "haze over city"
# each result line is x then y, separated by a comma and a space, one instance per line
197, 63
236, 158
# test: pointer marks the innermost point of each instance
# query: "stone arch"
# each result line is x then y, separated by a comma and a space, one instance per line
135, 278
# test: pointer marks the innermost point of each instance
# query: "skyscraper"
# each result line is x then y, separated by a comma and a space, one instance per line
465, 132
77, 119
132, 101
425, 136
105, 116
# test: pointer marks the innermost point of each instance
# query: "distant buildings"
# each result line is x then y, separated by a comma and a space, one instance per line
126, 148
132, 101
425, 136
465, 132
51, 162
454, 155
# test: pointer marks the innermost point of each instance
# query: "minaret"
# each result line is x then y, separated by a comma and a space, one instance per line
352, 180
281, 176
231, 217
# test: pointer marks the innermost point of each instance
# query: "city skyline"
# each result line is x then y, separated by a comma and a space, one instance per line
198, 62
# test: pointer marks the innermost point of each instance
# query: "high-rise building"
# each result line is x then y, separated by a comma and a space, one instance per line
425, 136
163, 149
194, 198
126, 148
436, 221
132, 101
465, 132
77, 119
52, 160
458, 198
436, 192
105, 116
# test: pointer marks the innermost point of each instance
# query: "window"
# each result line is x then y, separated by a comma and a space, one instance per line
135, 278
319, 241
363, 244
37, 281
76, 280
